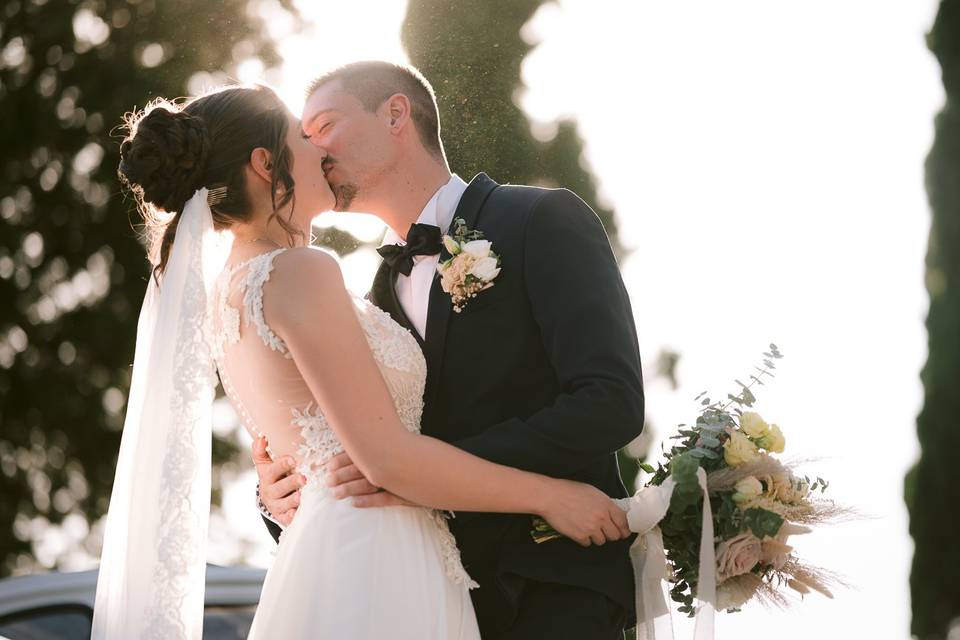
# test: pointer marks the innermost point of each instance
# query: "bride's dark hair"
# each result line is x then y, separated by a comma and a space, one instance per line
173, 149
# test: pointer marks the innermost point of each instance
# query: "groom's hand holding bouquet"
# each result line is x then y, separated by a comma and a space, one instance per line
716, 518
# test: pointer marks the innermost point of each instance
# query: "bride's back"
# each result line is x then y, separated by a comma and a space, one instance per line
263, 381
256, 369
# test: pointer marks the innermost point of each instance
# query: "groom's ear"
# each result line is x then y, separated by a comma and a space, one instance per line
396, 111
261, 161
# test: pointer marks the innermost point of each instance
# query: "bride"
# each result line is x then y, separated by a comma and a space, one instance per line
307, 365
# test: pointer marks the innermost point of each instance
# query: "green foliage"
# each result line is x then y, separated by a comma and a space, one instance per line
932, 488
472, 55
729, 516
702, 446
72, 272
762, 523
687, 491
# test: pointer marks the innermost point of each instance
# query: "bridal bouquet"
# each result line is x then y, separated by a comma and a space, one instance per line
754, 503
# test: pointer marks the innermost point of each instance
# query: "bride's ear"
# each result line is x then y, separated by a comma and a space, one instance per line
261, 161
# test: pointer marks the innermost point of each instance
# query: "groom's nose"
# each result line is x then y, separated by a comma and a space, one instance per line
326, 163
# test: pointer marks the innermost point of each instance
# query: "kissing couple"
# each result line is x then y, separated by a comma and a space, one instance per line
490, 375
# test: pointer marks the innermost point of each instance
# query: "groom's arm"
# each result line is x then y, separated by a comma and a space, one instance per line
586, 324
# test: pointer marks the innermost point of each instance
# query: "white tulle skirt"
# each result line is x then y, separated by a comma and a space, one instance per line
346, 573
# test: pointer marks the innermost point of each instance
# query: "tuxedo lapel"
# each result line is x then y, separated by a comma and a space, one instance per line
439, 306
379, 294
383, 293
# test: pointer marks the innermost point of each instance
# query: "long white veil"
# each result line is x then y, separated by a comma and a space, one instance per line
152, 569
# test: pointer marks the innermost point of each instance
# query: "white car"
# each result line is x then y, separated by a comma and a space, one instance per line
59, 606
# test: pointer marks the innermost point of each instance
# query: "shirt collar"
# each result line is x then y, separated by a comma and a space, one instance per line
438, 211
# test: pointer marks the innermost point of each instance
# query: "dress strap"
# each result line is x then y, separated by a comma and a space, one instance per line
258, 274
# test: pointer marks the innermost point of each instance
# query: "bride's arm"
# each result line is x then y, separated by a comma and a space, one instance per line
307, 305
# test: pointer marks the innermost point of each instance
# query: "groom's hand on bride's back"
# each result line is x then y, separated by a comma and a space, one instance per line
279, 485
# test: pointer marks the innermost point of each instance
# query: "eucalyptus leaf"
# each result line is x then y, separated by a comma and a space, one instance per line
761, 522
709, 440
683, 470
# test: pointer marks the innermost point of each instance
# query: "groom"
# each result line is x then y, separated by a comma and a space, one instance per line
540, 372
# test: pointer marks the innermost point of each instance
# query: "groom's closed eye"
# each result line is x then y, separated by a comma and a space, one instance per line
319, 130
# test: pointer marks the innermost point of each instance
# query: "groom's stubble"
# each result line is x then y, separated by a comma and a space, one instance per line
344, 194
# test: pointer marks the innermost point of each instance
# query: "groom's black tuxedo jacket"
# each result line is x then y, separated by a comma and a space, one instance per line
540, 372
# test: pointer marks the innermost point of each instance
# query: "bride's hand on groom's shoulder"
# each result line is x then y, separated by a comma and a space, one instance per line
583, 513
279, 485
345, 480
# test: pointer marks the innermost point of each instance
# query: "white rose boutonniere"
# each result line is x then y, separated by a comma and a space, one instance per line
472, 267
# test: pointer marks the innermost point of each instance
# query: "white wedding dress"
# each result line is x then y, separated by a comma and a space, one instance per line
339, 572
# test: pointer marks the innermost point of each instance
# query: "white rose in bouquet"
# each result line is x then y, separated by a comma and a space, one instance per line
747, 489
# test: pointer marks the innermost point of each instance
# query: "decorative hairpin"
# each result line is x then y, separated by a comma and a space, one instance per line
217, 195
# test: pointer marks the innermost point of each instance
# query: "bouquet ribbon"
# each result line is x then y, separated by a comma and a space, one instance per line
645, 510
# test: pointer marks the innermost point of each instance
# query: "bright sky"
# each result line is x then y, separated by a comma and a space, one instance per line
765, 161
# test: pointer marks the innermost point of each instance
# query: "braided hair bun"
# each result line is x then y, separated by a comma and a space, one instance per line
165, 157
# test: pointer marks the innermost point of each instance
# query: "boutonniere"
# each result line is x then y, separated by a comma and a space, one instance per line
471, 267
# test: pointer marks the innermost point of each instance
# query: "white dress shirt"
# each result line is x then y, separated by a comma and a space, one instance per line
413, 291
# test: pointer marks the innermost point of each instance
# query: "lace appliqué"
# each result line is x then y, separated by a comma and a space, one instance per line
320, 443
229, 330
392, 345
228, 333
258, 273
451, 553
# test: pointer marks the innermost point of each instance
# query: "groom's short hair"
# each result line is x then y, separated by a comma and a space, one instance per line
373, 81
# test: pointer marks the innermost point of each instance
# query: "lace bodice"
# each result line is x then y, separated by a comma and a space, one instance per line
248, 352
269, 394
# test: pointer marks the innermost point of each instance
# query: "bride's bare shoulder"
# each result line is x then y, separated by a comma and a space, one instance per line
306, 265
301, 275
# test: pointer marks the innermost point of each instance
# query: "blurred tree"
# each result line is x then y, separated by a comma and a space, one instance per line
472, 54
72, 272
932, 488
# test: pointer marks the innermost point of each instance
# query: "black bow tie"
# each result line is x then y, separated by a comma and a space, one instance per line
422, 240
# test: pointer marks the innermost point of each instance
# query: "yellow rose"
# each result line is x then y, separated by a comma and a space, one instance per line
747, 489
739, 449
773, 440
753, 425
